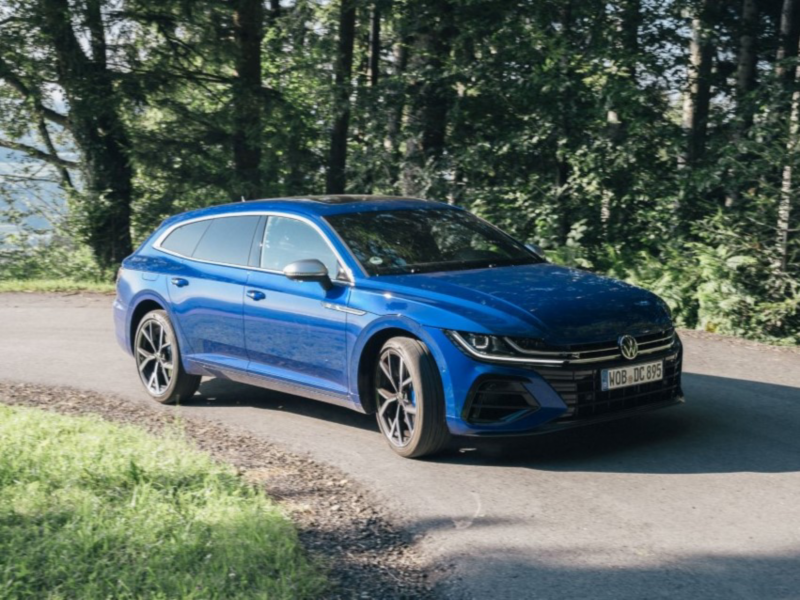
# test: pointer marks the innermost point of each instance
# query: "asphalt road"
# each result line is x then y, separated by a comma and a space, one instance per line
700, 501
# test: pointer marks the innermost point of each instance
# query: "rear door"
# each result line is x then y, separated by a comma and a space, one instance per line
296, 330
207, 293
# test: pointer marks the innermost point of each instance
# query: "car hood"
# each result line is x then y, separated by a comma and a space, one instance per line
565, 305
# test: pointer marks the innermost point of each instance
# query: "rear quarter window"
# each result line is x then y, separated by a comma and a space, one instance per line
183, 240
227, 240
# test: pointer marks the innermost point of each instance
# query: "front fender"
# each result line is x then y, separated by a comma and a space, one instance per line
362, 328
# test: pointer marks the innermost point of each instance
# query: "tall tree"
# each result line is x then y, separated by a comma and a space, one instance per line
747, 61
625, 45
787, 39
343, 71
786, 205
430, 96
96, 124
375, 44
248, 29
698, 96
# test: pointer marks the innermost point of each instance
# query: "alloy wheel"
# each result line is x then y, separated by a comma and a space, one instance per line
397, 408
154, 356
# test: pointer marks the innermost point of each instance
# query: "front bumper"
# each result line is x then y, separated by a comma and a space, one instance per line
491, 400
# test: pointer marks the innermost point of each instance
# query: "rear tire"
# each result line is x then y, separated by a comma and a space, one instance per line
158, 360
409, 399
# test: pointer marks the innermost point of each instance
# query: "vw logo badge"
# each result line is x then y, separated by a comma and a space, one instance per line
628, 346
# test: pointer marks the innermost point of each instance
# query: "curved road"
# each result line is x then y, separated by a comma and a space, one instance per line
700, 501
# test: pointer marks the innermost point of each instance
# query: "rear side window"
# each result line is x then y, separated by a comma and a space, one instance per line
227, 240
183, 240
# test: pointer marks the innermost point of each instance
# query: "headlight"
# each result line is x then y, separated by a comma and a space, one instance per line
493, 346
480, 343
515, 350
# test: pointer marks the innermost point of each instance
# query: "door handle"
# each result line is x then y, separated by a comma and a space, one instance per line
256, 295
179, 282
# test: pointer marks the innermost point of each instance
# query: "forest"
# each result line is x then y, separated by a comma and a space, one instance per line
656, 141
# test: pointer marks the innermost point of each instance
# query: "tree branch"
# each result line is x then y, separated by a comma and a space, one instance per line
12, 79
41, 125
38, 154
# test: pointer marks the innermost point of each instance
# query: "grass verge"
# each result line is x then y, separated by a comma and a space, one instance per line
55, 285
89, 509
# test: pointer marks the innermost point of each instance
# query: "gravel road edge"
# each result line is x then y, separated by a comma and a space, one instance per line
365, 551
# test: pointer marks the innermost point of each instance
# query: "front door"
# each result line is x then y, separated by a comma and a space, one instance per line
294, 330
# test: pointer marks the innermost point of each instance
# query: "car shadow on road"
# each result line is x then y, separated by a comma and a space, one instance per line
564, 573
727, 425
223, 393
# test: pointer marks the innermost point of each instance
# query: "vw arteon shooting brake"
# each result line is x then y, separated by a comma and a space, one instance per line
417, 311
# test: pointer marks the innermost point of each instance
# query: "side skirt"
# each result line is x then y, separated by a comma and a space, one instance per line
270, 383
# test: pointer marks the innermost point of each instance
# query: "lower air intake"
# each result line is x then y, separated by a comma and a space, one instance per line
498, 400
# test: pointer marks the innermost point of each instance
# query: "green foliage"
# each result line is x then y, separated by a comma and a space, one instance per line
55, 286
561, 121
94, 510
52, 253
718, 285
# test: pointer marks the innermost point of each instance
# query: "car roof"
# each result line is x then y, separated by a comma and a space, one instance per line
315, 205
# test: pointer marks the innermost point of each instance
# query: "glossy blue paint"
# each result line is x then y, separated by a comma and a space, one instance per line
560, 305
290, 335
258, 326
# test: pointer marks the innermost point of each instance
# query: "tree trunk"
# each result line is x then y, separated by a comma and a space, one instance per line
627, 27
275, 11
747, 60
343, 69
430, 97
563, 126
397, 96
787, 39
697, 100
97, 128
248, 33
375, 45
788, 191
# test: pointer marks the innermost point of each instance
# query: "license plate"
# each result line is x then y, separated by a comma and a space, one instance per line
612, 379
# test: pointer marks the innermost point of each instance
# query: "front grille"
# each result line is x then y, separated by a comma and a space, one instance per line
536, 351
498, 400
581, 391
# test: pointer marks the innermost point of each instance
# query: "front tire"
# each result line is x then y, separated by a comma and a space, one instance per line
158, 360
409, 399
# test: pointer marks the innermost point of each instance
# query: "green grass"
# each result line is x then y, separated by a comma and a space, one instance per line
55, 285
90, 509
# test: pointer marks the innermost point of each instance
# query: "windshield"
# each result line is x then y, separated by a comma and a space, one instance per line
426, 240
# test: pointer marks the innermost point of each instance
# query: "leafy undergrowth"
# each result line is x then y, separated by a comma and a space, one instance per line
55, 285
90, 509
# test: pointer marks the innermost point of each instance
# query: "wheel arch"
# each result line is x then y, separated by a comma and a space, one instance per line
144, 306
369, 343
366, 364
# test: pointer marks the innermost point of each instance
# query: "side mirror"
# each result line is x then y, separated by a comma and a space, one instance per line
537, 250
309, 270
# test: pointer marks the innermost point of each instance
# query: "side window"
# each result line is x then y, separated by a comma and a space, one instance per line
227, 240
183, 240
287, 240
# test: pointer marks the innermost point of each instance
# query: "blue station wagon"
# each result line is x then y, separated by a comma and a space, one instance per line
417, 311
